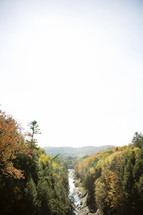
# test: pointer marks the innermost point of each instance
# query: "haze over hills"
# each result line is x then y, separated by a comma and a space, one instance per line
70, 151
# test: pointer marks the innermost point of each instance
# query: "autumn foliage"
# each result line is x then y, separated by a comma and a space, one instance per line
12, 143
113, 179
30, 181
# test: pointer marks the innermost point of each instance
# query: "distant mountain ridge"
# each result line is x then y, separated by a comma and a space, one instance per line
71, 151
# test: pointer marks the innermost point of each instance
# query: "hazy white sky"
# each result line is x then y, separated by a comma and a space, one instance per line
74, 66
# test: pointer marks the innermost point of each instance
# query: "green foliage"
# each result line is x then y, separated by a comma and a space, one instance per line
138, 140
44, 188
33, 125
116, 178
140, 187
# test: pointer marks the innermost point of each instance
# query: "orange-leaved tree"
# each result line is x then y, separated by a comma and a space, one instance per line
12, 143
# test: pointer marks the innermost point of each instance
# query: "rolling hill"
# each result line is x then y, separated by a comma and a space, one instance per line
70, 151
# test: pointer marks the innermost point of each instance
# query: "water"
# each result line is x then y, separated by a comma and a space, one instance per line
73, 190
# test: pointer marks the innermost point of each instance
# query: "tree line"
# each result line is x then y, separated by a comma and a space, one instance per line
30, 181
113, 179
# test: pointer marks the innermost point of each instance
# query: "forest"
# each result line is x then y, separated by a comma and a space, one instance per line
30, 181
113, 179
75, 152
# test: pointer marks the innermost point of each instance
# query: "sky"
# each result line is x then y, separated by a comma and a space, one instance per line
76, 67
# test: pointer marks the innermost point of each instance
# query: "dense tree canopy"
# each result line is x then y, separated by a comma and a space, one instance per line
113, 178
30, 181
12, 144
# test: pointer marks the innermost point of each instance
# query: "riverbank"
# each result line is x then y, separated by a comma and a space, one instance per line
82, 207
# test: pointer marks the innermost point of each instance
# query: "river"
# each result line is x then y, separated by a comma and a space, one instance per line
73, 190
80, 203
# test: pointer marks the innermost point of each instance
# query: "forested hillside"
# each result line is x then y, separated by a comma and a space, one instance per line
30, 181
69, 154
113, 179
70, 151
